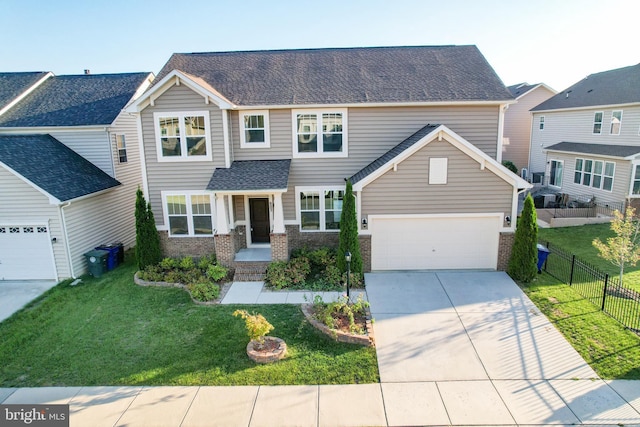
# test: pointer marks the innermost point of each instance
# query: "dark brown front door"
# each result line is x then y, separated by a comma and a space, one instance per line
260, 227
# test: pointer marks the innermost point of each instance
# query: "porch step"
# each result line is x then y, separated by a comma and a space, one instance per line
247, 271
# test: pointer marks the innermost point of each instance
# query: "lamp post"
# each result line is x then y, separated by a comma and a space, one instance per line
347, 257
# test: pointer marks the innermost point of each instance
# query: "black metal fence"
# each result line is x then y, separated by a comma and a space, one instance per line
586, 207
604, 291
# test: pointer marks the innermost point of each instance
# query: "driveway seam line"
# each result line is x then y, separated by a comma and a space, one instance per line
444, 405
190, 405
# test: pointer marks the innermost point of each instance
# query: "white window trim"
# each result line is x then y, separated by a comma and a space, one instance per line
551, 167
611, 123
320, 154
593, 174
189, 214
124, 148
267, 133
634, 177
183, 142
320, 190
593, 124
541, 123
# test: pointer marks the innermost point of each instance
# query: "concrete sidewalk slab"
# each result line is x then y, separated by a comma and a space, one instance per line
286, 406
272, 298
594, 402
221, 406
414, 404
474, 402
41, 395
534, 402
6, 392
425, 347
101, 406
15, 294
406, 292
159, 406
351, 405
243, 293
629, 390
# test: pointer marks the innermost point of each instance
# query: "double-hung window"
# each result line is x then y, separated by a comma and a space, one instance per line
636, 180
541, 125
189, 214
183, 136
616, 122
320, 209
595, 174
121, 146
597, 122
254, 129
319, 133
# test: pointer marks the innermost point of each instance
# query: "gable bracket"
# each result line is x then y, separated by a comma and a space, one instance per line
395, 167
482, 164
439, 136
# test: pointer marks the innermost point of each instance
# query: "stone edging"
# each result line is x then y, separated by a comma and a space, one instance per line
267, 356
223, 289
365, 340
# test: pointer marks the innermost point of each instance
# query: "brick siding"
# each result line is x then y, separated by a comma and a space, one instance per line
504, 250
279, 247
225, 248
177, 247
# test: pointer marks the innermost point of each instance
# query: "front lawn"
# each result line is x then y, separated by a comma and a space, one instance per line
577, 240
109, 331
610, 349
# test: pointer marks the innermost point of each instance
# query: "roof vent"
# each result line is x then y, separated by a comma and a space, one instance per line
568, 92
87, 72
590, 90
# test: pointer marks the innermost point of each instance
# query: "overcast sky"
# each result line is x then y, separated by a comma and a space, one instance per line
556, 42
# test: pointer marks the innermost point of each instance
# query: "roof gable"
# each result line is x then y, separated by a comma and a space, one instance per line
522, 89
421, 138
345, 76
613, 87
77, 100
52, 167
15, 85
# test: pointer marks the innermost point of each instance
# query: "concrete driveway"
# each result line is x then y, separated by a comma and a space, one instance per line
15, 294
477, 345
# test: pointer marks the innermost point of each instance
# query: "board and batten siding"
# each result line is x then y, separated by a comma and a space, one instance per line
577, 126
92, 145
621, 180
181, 175
517, 126
407, 190
21, 203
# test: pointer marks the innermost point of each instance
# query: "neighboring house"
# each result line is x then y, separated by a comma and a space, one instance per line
585, 140
69, 170
517, 123
252, 149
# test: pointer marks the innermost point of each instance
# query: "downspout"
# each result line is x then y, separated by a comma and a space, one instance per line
113, 163
63, 223
502, 109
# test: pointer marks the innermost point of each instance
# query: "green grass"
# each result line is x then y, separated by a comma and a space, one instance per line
577, 240
109, 331
610, 349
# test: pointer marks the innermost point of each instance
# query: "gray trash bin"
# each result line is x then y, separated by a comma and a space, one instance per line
97, 262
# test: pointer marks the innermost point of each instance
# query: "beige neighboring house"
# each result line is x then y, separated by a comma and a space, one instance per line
69, 170
252, 149
517, 123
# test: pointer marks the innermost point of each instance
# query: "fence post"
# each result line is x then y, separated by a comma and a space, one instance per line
604, 294
573, 263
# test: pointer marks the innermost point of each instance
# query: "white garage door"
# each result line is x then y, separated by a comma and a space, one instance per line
25, 252
434, 242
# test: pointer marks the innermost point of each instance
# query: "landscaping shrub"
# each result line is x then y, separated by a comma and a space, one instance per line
510, 165
349, 233
216, 272
333, 314
277, 274
147, 240
187, 263
257, 326
311, 270
523, 264
204, 291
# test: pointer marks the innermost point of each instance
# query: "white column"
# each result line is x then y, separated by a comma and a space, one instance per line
278, 214
222, 226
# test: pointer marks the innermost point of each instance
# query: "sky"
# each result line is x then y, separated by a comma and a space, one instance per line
556, 42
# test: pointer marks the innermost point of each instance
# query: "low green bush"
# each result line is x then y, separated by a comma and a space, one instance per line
216, 272
204, 291
310, 270
256, 324
332, 313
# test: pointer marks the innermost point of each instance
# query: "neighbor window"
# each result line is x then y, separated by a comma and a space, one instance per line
594, 173
254, 129
189, 214
320, 209
616, 122
183, 136
121, 146
636, 180
555, 177
597, 123
320, 133
541, 122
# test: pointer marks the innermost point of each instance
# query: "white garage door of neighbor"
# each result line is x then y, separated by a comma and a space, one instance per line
25, 253
434, 242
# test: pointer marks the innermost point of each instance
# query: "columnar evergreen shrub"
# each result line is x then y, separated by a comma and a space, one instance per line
523, 264
349, 233
147, 240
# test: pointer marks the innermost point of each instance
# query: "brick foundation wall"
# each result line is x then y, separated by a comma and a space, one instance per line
225, 249
279, 247
312, 240
365, 252
177, 247
240, 237
504, 250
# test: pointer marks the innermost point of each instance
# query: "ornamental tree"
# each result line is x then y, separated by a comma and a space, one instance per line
523, 264
349, 233
148, 250
622, 249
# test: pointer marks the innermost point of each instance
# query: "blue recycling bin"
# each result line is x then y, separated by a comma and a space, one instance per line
543, 253
112, 258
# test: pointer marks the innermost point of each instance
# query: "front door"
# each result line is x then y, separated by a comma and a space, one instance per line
259, 216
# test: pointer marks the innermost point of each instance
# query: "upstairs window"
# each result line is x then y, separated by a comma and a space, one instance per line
597, 123
541, 123
616, 122
121, 146
254, 129
183, 136
320, 133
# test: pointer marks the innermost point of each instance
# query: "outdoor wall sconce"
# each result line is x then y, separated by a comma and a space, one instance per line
507, 219
364, 223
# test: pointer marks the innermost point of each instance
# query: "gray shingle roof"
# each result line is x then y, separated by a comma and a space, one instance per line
595, 149
14, 84
391, 154
520, 89
345, 75
251, 175
79, 100
53, 166
619, 86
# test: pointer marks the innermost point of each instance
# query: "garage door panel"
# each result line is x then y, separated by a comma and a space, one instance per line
25, 252
434, 242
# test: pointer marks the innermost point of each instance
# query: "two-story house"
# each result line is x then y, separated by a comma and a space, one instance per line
585, 140
252, 149
69, 170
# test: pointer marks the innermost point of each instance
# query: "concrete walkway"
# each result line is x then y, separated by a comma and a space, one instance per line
454, 348
15, 294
